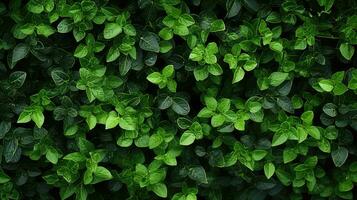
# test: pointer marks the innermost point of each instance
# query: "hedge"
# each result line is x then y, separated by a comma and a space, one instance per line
178, 99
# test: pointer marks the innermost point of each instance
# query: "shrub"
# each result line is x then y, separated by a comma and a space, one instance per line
185, 100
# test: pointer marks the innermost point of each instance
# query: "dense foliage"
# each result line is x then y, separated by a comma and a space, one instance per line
178, 99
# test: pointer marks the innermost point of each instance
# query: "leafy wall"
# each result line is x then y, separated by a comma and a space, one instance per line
184, 100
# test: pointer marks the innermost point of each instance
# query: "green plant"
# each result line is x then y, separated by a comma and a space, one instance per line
178, 99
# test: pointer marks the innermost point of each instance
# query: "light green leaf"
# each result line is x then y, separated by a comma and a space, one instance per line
154, 77
112, 120
38, 117
238, 75
52, 155
45, 30
168, 71
217, 120
276, 46
347, 50
102, 173
187, 138
111, 30
127, 123
81, 51
277, 78
279, 138
326, 85
160, 190
269, 169
217, 25
155, 140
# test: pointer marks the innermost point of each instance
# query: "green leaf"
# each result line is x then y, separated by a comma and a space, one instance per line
125, 64
250, 65
59, 77
24, 117
67, 191
211, 103
187, 138
330, 109
197, 53
300, 44
168, 71
38, 117
324, 145
82, 193
259, 154
269, 170
5, 127
111, 30
52, 155
160, 190
165, 103
71, 130
279, 138
180, 106
45, 30
307, 117
149, 42
81, 51
112, 120
27, 29
198, 174
254, 106
217, 25
75, 156
347, 51
224, 105
112, 54
171, 85
205, 113
313, 132
12, 151
215, 69
166, 33
154, 77
102, 173
65, 26
4, 178
127, 123
339, 156
326, 85
124, 142
289, 155
20, 51
339, 89
217, 120
238, 75
129, 30
182, 122
277, 78
186, 20
165, 46
17, 79
276, 46
155, 140
345, 186
211, 49
35, 7
200, 73
233, 7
